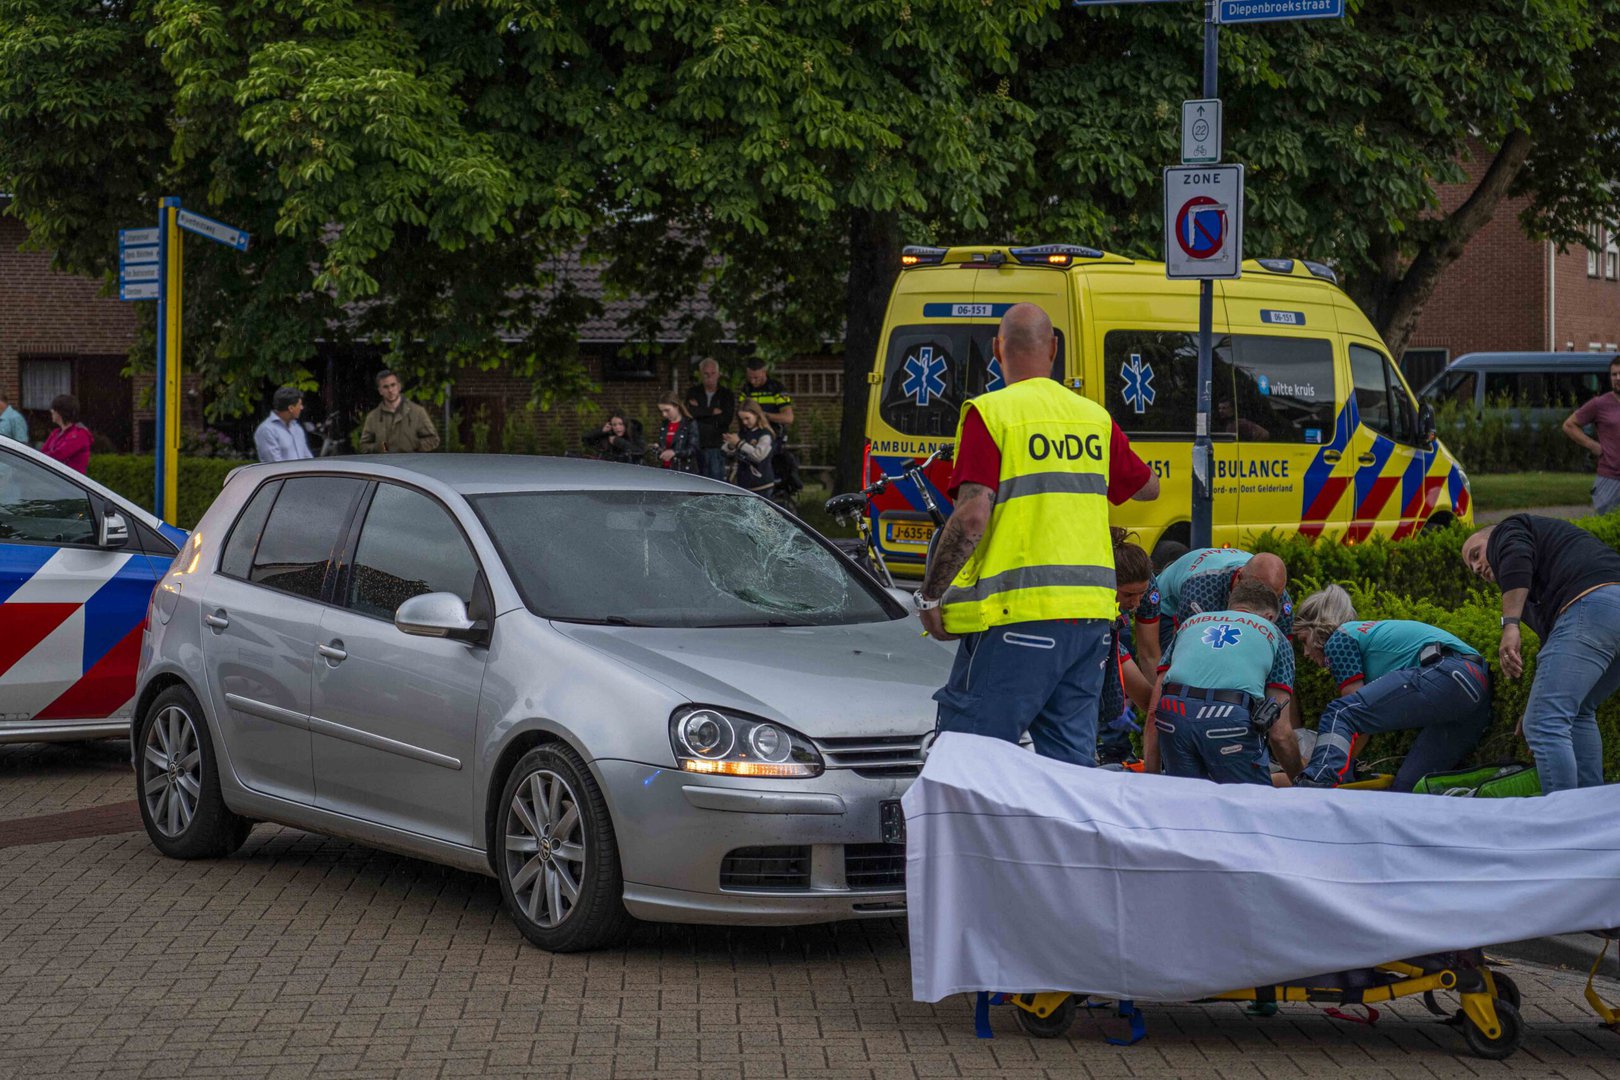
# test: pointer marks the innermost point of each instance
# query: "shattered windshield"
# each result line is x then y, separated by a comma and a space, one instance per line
671, 558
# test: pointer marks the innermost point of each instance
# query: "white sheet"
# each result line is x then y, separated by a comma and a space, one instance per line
1027, 874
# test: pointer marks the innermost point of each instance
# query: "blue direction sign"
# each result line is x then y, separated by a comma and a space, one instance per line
137, 256
142, 290
217, 231
138, 264
1248, 11
137, 237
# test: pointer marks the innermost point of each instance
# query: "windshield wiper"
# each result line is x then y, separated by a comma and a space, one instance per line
606, 620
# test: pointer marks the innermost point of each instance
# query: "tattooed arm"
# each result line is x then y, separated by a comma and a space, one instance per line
957, 540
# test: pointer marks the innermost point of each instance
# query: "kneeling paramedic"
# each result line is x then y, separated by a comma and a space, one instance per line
1023, 571
1393, 675
1212, 716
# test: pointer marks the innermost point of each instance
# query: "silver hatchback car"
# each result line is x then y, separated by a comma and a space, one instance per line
623, 692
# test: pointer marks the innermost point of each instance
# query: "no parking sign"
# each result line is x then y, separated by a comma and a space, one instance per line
1203, 221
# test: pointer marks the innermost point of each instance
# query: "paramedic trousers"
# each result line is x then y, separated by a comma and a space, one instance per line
1206, 739
1577, 669
1450, 700
1042, 677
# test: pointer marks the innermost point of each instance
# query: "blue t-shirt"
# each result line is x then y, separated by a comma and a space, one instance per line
1370, 650
1230, 650
1198, 561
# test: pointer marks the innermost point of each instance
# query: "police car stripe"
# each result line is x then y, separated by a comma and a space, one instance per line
43, 675
18, 563
1033, 577
69, 576
1051, 483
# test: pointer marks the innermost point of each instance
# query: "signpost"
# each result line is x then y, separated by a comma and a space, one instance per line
149, 265
1203, 210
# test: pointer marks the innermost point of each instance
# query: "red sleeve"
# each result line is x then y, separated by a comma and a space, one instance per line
978, 458
1126, 472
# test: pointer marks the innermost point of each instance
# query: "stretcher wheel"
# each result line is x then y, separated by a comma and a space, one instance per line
1054, 1025
1507, 989
1503, 1045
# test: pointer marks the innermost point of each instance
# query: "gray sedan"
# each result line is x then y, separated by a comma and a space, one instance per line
623, 692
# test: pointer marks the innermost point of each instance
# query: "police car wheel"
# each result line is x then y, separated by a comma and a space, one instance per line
1054, 1025
177, 782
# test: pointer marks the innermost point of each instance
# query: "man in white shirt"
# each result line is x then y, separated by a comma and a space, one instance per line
281, 437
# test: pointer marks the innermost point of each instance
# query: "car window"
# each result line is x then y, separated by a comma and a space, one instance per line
672, 558
1455, 386
930, 369
38, 505
408, 546
1284, 389
305, 526
237, 558
1403, 410
1372, 390
1152, 381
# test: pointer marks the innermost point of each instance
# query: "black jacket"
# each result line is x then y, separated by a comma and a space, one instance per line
685, 446
710, 425
1555, 560
627, 447
751, 474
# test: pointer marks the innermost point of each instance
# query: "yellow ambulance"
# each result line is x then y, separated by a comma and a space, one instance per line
1314, 429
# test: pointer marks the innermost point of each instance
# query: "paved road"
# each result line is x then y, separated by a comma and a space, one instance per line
304, 956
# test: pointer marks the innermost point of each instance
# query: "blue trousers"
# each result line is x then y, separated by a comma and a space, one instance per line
712, 463
1210, 740
1042, 677
1449, 700
1577, 669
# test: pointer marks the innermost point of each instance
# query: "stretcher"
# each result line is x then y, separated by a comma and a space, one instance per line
1488, 1015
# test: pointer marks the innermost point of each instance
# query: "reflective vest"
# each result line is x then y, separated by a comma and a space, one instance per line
1047, 553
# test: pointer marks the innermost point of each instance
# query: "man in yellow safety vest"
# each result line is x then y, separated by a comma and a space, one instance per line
1023, 571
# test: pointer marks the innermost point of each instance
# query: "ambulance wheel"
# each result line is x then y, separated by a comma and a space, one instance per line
1507, 989
1511, 1038
1053, 1026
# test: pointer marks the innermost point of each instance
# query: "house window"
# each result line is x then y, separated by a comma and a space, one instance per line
1594, 241
1611, 255
1421, 365
43, 378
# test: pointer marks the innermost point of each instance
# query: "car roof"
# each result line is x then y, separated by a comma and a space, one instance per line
483, 474
1533, 361
146, 517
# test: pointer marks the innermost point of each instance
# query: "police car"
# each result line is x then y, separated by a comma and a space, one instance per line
77, 567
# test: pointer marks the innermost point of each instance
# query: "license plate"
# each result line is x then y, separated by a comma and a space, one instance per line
893, 819
909, 532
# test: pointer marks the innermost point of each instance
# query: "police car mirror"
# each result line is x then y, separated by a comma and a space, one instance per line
113, 531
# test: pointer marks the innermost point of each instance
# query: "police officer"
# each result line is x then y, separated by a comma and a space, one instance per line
1393, 675
1023, 571
1212, 716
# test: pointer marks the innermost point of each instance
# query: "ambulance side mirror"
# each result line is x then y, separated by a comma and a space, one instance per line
1426, 423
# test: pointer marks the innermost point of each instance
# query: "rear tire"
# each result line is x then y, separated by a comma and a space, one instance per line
177, 782
556, 854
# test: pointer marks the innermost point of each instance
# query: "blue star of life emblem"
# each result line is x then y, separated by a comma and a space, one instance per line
1219, 637
1139, 392
992, 378
925, 376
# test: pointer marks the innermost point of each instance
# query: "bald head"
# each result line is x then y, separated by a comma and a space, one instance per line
1268, 570
1025, 344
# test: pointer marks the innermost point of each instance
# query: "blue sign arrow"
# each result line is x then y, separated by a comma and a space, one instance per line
1247, 11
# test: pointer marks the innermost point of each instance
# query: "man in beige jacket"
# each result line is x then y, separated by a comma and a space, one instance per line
397, 426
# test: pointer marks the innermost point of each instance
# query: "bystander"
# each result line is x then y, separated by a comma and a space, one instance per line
69, 441
712, 408
397, 425
12, 423
1603, 414
281, 437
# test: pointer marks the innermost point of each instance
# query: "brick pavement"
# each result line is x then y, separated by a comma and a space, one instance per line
303, 956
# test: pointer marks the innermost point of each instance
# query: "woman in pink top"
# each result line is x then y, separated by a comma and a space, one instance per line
70, 442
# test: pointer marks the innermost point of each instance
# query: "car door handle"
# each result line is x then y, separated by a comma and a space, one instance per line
333, 652
1331, 456
217, 620
1366, 459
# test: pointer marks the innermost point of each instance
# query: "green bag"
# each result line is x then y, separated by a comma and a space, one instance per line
1510, 780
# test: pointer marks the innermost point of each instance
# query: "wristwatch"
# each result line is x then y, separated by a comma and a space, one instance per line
919, 603
1509, 620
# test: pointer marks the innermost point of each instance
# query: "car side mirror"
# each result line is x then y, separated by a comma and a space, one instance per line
438, 614
1426, 425
113, 530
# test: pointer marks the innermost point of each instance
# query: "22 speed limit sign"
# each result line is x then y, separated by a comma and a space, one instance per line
1203, 221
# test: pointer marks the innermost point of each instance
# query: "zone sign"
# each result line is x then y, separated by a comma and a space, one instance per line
1203, 221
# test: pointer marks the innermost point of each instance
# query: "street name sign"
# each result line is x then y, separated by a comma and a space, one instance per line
1230, 12
1201, 131
138, 269
137, 237
140, 272
134, 256
1203, 219
217, 231
144, 290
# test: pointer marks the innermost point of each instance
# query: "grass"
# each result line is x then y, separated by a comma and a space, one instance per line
1525, 490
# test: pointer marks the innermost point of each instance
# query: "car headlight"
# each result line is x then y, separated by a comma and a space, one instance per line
708, 740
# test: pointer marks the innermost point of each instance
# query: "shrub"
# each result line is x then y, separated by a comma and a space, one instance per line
132, 477
1497, 443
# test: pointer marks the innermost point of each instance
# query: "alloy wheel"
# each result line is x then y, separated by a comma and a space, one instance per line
171, 770
545, 848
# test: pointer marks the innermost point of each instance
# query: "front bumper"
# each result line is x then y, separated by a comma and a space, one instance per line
675, 830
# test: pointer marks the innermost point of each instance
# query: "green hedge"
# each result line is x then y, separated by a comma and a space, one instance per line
1384, 579
132, 477
1491, 443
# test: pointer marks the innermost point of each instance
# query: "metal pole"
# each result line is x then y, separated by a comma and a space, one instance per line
1202, 494
160, 423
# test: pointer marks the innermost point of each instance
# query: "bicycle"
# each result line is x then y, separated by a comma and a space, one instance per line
854, 508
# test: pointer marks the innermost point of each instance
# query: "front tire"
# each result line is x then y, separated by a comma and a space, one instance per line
556, 855
177, 782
